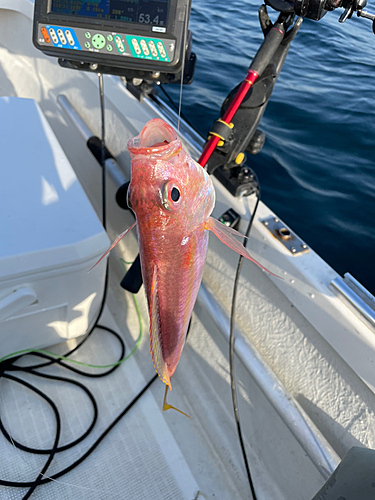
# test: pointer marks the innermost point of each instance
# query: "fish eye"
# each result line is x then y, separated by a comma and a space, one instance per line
171, 195
175, 194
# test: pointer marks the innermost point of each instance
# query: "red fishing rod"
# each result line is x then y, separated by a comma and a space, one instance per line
246, 85
274, 35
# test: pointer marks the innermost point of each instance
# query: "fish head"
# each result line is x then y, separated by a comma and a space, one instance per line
168, 188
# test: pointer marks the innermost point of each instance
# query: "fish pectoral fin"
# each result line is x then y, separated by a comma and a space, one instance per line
114, 244
227, 236
155, 340
167, 406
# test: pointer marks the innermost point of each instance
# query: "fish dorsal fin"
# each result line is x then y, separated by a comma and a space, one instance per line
227, 236
155, 342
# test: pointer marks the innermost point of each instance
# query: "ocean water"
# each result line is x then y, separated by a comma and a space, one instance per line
317, 168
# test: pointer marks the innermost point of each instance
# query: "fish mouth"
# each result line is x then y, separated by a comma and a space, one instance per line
156, 138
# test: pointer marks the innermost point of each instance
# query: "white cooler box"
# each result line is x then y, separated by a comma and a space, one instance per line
50, 236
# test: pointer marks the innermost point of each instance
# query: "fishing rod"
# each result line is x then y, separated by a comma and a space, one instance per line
236, 131
235, 134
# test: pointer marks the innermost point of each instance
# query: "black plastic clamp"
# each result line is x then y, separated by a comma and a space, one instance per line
222, 130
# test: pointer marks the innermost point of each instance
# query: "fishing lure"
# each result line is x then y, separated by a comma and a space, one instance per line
172, 197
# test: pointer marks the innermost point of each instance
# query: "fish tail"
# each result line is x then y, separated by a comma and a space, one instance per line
167, 406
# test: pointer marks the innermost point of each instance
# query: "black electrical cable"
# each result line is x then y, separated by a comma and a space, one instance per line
38, 451
31, 370
38, 480
102, 143
9, 365
231, 349
57, 475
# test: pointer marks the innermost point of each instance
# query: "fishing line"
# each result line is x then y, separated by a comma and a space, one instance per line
86, 488
231, 349
175, 107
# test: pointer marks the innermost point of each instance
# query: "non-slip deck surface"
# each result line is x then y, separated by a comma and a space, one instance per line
139, 459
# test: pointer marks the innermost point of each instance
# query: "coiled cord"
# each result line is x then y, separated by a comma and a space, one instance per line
8, 365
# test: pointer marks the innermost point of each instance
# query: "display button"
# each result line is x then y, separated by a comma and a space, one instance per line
109, 47
119, 44
87, 45
145, 48
98, 41
161, 49
110, 38
136, 46
68, 35
61, 36
154, 52
88, 34
53, 35
45, 35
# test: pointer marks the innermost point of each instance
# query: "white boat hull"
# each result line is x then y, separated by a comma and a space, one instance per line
318, 354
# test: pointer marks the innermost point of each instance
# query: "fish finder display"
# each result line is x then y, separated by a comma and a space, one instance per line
152, 12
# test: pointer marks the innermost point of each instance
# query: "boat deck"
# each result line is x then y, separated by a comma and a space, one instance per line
139, 456
308, 403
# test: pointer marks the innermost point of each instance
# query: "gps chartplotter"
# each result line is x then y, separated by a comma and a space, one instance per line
146, 35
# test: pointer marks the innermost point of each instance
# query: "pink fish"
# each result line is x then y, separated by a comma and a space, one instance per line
172, 197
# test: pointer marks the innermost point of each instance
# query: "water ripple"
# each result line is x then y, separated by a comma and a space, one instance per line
317, 168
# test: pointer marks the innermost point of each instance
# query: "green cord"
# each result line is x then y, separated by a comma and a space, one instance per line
57, 356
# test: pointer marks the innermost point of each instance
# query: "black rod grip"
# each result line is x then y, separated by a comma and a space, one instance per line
268, 48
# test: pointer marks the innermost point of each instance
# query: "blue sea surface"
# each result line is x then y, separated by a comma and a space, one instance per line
317, 168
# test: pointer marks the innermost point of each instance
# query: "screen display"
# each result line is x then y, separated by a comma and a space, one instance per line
133, 11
